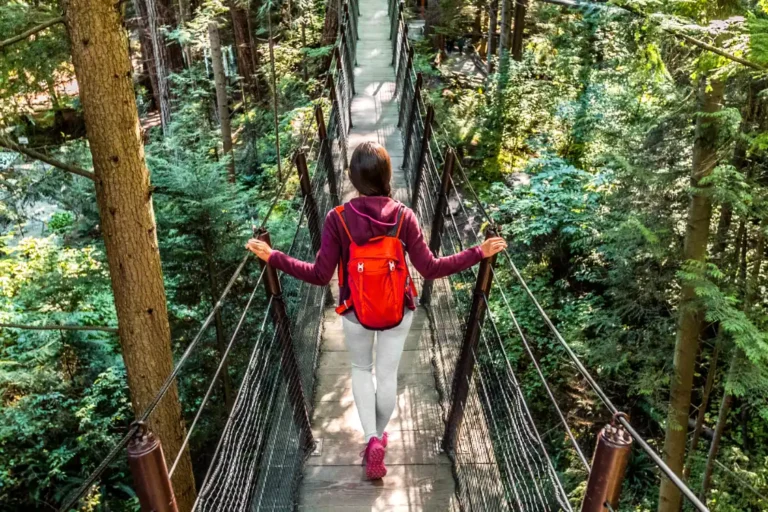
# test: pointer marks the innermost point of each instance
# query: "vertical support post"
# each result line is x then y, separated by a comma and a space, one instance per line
313, 219
288, 361
150, 473
400, 90
466, 362
609, 463
326, 154
521, 6
412, 118
395, 29
422, 156
438, 219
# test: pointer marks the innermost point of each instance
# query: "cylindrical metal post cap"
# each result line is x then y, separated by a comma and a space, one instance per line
614, 445
150, 474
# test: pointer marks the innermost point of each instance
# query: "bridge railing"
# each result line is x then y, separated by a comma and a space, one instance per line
499, 458
262, 449
260, 452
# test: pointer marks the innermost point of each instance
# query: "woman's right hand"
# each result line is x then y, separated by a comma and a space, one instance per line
493, 246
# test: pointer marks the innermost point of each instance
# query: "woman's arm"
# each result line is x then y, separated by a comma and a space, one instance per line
321, 271
435, 268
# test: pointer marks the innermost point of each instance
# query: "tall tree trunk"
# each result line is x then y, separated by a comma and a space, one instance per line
493, 9
221, 341
477, 23
506, 16
521, 7
702, 409
331, 24
222, 100
725, 406
150, 19
184, 18
167, 19
690, 315
147, 51
246, 53
123, 194
721, 238
714, 446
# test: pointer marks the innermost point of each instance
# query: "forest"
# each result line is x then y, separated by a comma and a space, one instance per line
619, 146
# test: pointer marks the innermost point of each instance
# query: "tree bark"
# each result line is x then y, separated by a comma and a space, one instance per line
506, 15
162, 59
167, 18
123, 195
714, 446
721, 238
702, 410
493, 9
147, 51
521, 7
246, 53
690, 315
331, 24
184, 17
477, 23
221, 96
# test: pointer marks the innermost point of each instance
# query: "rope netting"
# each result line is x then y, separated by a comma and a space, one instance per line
261, 452
258, 459
499, 459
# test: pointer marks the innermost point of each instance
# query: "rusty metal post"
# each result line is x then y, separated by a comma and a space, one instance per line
288, 361
402, 69
150, 473
412, 118
438, 219
466, 362
313, 217
404, 104
614, 445
521, 6
326, 154
419, 169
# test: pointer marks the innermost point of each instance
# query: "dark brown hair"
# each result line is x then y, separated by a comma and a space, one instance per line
370, 170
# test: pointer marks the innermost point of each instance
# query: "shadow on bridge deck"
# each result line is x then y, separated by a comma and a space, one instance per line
420, 476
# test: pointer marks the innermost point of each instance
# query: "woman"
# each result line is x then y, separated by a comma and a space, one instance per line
355, 232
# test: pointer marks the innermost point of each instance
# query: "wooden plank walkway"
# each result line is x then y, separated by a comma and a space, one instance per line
420, 476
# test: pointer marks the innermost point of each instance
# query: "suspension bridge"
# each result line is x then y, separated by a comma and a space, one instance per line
462, 436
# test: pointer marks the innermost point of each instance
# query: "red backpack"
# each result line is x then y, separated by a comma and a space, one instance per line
378, 278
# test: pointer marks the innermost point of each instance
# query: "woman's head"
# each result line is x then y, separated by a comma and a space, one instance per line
370, 170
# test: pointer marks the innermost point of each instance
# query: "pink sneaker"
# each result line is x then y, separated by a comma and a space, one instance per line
373, 459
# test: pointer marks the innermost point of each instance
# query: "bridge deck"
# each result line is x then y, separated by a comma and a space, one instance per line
420, 477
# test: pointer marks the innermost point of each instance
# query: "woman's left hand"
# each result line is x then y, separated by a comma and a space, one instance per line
259, 248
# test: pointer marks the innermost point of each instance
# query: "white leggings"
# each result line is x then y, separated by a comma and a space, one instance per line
375, 404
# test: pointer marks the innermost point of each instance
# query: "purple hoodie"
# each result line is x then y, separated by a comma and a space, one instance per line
366, 218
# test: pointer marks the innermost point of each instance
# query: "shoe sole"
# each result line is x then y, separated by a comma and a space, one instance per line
374, 465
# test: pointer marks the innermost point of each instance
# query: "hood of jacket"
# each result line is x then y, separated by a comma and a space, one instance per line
368, 217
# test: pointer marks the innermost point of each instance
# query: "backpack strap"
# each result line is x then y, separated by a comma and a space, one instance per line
395, 232
340, 212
